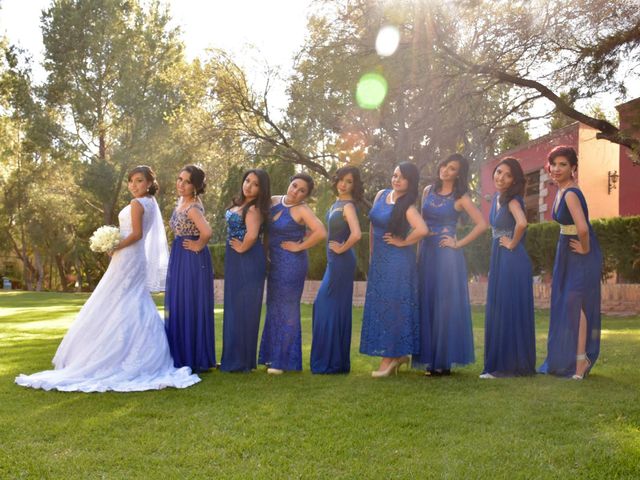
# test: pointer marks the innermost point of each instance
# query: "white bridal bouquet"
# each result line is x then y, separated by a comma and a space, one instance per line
104, 239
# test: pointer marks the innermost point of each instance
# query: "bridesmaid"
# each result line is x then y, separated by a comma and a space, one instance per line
446, 333
188, 300
509, 338
245, 265
290, 217
390, 320
574, 326
332, 309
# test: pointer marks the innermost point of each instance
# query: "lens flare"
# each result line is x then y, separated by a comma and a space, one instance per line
371, 91
387, 41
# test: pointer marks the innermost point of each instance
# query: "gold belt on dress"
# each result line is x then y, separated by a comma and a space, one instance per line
568, 230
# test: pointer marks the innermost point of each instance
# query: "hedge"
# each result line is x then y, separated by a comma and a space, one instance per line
619, 240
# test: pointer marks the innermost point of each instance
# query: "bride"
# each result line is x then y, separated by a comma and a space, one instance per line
117, 341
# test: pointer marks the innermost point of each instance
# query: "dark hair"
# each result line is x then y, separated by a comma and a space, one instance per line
461, 184
563, 151
358, 188
398, 224
306, 178
262, 201
148, 174
196, 177
519, 180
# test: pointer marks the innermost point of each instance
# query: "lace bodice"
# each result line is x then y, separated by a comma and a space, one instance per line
181, 224
439, 213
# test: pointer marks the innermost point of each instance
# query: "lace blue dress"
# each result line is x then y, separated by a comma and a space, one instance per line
575, 287
244, 275
390, 319
446, 332
281, 345
509, 335
188, 301
331, 344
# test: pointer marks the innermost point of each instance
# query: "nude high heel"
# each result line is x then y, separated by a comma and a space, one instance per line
392, 367
582, 356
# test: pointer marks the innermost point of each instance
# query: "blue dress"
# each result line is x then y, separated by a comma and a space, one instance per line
244, 275
390, 319
575, 287
446, 332
281, 345
188, 301
331, 345
509, 335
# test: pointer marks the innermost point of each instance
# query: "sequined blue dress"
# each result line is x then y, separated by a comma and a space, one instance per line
188, 301
390, 319
446, 332
281, 344
244, 275
331, 344
575, 287
509, 335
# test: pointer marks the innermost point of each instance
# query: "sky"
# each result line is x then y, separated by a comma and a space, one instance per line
254, 32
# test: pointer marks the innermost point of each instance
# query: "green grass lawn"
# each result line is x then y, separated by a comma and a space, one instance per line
302, 426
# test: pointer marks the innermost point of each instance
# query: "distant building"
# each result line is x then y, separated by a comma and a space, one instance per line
606, 174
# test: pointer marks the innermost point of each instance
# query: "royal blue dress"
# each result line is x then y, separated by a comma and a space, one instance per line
446, 332
331, 344
575, 287
188, 301
244, 275
509, 335
281, 345
390, 319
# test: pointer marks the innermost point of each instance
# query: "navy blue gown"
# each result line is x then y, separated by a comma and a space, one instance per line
281, 345
188, 301
446, 332
244, 275
331, 344
390, 319
509, 335
575, 287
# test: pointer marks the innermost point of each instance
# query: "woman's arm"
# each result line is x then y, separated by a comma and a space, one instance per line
252, 220
480, 225
315, 227
581, 245
137, 210
418, 231
521, 226
350, 215
196, 216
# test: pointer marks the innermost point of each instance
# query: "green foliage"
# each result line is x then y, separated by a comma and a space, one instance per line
217, 257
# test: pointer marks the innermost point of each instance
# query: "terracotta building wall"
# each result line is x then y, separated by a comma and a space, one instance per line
629, 184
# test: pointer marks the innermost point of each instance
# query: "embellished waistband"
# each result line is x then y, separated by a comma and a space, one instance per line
568, 230
501, 232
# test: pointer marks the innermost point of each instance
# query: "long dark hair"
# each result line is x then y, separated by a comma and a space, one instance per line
149, 175
398, 225
461, 184
358, 189
262, 201
519, 180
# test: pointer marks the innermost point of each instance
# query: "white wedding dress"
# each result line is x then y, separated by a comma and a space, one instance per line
118, 342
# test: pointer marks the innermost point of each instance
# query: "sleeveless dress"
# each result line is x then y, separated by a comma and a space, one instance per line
117, 341
509, 335
281, 345
244, 275
446, 332
332, 310
575, 287
188, 302
390, 318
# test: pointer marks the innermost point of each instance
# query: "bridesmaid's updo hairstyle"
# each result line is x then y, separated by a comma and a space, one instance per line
519, 180
563, 151
262, 201
149, 175
398, 225
461, 185
197, 178
358, 188
306, 178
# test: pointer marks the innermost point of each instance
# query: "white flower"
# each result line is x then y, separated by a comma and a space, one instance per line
104, 239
